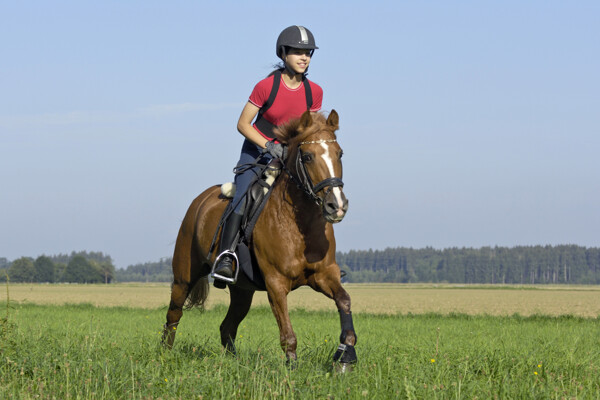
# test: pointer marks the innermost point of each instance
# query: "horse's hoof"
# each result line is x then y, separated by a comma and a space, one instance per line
342, 368
291, 363
219, 284
168, 336
230, 350
345, 354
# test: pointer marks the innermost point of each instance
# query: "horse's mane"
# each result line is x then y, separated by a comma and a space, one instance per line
292, 132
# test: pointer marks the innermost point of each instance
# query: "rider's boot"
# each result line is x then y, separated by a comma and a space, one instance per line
225, 265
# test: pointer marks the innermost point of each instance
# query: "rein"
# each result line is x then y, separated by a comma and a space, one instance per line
304, 182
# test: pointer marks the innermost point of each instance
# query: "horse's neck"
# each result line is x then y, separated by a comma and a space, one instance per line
300, 220
295, 200
293, 224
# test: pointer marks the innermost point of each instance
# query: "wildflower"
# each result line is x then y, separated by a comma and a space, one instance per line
535, 372
166, 380
432, 360
539, 365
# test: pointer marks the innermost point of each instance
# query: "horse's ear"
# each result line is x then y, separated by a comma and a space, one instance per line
306, 120
333, 120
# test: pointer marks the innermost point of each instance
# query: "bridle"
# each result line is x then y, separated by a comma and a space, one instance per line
303, 180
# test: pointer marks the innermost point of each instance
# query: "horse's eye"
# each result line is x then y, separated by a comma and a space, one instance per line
307, 157
341, 154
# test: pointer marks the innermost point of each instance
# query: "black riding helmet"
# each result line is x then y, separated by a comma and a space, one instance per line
297, 37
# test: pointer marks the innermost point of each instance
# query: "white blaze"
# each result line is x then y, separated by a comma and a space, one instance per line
336, 190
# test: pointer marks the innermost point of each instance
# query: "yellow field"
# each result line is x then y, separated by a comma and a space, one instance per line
373, 298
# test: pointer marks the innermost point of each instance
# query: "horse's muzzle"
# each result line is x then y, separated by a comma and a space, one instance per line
335, 205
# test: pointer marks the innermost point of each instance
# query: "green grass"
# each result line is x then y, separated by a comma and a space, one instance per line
80, 351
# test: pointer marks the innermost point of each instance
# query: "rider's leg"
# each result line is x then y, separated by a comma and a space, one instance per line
230, 230
242, 181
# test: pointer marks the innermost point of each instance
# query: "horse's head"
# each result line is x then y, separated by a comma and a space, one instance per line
315, 161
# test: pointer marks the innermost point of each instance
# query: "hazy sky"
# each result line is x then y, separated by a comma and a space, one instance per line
463, 123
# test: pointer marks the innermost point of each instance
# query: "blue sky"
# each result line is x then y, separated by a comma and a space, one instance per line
463, 123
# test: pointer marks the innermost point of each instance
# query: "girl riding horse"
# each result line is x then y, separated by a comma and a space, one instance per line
284, 95
293, 241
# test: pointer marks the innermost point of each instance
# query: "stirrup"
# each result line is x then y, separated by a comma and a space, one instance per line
236, 270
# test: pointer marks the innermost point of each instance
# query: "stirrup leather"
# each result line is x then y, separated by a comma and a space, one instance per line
236, 270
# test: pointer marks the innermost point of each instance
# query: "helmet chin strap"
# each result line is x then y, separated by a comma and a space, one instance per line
291, 71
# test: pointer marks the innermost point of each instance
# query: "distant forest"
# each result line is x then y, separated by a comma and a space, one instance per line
568, 264
564, 264
77, 267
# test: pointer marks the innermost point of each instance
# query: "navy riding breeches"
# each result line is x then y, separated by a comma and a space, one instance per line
246, 173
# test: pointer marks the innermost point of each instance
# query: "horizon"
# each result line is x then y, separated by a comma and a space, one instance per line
160, 260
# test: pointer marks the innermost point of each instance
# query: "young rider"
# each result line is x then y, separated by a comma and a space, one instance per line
294, 94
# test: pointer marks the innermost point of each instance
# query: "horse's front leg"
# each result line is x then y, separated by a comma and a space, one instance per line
328, 282
277, 291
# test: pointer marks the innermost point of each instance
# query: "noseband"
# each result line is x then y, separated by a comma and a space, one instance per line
303, 180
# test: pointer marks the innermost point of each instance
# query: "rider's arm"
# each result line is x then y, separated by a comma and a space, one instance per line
245, 127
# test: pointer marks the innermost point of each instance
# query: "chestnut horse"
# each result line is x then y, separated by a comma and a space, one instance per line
292, 242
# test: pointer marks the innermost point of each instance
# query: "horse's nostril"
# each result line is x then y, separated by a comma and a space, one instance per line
331, 206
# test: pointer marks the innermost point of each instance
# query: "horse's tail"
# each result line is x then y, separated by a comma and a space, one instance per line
186, 265
198, 294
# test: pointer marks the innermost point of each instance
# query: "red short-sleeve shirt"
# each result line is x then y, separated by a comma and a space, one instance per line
288, 104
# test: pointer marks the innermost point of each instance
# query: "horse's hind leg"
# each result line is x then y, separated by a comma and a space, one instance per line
193, 287
187, 282
179, 293
190, 268
240, 301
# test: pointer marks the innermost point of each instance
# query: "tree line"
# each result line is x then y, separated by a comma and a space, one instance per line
77, 267
160, 271
563, 264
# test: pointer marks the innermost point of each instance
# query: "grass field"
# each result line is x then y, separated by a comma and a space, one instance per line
413, 342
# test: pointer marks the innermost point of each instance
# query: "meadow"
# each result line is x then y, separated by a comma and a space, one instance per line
447, 342
378, 298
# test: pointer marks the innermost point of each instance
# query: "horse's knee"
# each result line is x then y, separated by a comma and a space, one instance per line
343, 302
344, 305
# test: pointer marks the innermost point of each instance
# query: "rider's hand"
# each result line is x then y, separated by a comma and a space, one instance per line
275, 149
